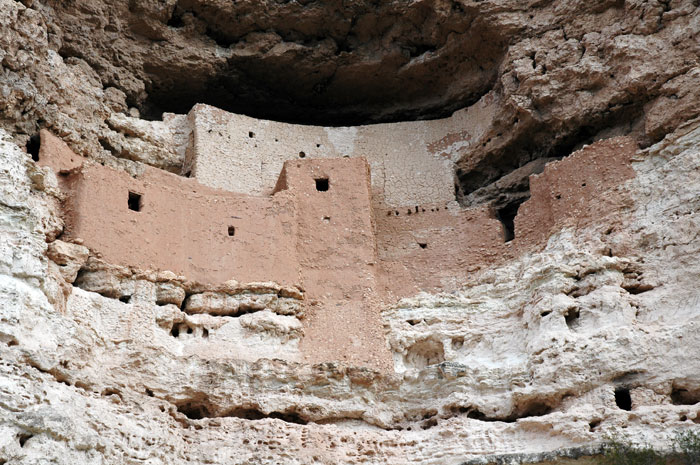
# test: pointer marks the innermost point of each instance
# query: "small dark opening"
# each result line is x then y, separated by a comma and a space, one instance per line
205, 333
322, 184
251, 134
231, 231
189, 330
149, 393
423, 245
23, 438
255, 414
623, 399
125, 298
134, 201
682, 396
175, 332
571, 316
33, 146
302, 155
506, 216
429, 424
176, 19
535, 409
183, 304
193, 411
476, 415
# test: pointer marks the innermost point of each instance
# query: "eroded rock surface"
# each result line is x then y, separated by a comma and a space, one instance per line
534, 353
506, 365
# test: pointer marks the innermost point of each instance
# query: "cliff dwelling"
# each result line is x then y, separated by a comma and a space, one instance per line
314, 233
344, 233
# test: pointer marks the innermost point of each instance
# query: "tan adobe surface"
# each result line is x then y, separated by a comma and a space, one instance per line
181, 226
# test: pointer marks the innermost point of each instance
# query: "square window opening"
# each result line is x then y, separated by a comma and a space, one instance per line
322, 184
135, 201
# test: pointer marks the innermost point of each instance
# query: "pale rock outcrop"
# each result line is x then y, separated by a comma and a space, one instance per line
69, 257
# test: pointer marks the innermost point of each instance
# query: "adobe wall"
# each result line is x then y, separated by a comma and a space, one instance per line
576, 189
323, 239
573, 191
337, 255
337, 243
411, 163
335, 233
182, 226
435, 248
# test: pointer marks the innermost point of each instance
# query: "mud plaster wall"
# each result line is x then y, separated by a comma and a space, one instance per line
436, 247
182, 226
575, 188
338, 261
211, 235
411, 163
335, 242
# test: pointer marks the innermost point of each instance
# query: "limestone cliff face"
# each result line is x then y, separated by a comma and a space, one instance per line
536, 355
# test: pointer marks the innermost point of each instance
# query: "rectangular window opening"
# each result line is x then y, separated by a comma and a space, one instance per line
231, 231
33, 146
322, 184
135, 201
